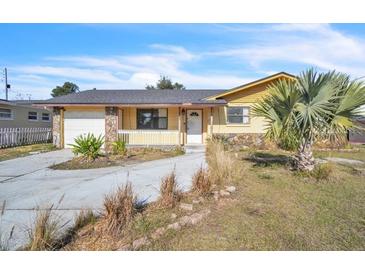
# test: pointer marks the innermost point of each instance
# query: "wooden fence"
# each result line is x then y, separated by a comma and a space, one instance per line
10, 137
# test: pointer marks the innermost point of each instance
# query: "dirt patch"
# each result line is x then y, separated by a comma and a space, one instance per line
133, 156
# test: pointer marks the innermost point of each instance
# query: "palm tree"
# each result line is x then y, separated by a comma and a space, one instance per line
314, 106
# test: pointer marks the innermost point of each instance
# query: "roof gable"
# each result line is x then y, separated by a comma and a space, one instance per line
252, 84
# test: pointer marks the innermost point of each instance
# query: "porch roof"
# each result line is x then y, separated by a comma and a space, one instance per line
137, 97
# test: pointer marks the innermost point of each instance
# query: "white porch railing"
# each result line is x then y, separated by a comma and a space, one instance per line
149, 137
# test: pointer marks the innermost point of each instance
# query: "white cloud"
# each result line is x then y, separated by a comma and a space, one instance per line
120, 72
308, 44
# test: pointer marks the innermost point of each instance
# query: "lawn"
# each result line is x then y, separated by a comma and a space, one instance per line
359, 155
21, 151
132, 156
277, 209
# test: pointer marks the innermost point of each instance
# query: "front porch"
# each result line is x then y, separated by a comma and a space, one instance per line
169, 126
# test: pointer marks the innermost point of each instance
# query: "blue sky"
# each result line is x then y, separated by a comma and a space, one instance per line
41, 56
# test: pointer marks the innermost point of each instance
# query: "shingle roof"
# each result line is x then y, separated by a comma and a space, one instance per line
137, 97
5, 102
27, 102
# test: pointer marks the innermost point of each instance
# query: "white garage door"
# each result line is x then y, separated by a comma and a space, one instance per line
77, 123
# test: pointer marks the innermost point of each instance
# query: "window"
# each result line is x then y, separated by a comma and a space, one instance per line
32, 116
5, 114
152, 118
238, 115
45, 117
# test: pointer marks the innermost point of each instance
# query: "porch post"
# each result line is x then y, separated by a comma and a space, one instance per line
179, 124
57, 130
111, 127
211, 122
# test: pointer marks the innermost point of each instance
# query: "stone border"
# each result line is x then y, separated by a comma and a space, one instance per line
184, 221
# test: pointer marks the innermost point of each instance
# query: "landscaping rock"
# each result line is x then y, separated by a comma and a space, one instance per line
216, 195
231, 189
188, 207
174, 226
158, 233
201, 199
173, 216
224, 193
140, 242
185, 220
196, 201
125, 247
194, 218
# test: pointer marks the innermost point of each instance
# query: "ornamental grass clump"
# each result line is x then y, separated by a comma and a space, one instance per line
222, 167
119, 209
201, 182
170, 193
45, 233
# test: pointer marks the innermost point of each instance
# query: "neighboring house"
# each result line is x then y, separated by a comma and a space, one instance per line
159, 117
22, 114
358, 136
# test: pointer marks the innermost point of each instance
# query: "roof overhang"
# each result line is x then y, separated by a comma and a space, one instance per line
7, 103
252, 84
208, 104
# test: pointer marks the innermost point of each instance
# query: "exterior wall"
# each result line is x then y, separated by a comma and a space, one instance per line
20, 117
256, 124
111, 127
245, 98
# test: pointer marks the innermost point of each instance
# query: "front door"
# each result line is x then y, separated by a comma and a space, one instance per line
194, 126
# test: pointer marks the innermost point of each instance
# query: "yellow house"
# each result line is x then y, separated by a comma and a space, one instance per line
159, 117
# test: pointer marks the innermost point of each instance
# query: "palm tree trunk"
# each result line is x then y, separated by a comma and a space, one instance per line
304, 160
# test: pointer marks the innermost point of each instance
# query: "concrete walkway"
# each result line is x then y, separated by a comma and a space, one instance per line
29, 185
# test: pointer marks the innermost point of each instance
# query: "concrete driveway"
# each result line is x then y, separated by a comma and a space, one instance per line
27, 184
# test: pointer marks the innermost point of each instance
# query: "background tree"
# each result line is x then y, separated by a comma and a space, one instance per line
166, 83
314, 106
66, 88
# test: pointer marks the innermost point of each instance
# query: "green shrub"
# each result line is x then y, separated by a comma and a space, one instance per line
288, 141
119, 147
322, 171
88, 146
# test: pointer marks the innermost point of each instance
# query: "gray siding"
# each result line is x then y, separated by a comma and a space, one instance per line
20, 117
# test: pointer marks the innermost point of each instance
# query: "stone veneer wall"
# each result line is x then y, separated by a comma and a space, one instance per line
56, 127
255, 140
111, 127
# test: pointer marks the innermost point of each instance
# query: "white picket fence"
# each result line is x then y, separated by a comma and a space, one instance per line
10, 137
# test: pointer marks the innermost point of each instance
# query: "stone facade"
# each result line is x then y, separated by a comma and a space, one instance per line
57, 127
255, 140
111, 127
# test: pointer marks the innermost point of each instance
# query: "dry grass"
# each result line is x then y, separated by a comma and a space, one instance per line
45, 233
275, 209
21, 151
201, 183
170, 193
323, 171
222, 165
119, 209
83, 218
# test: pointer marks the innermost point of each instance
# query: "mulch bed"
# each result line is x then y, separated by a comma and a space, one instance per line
133, 156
